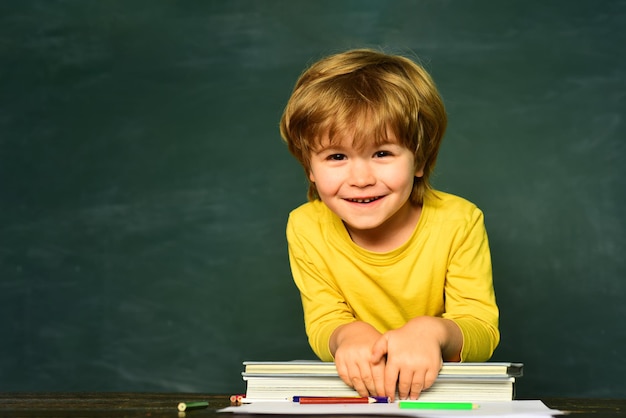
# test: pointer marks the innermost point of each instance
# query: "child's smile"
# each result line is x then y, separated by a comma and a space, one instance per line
364, 199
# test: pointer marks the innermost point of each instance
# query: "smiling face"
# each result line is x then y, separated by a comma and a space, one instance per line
365, 92
368, 186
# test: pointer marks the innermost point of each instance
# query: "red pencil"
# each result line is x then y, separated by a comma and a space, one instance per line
335, 400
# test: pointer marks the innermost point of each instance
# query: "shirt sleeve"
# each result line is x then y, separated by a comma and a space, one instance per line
469, 294
323, 304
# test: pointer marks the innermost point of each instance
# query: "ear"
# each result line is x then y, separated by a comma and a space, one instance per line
419, 171
311, 177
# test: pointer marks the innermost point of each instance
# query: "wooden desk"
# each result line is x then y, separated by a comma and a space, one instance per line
158, 405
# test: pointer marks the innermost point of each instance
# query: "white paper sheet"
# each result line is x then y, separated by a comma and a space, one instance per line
516, 409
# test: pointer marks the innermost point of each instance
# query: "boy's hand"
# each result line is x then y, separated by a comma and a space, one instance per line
352, 346
414, 354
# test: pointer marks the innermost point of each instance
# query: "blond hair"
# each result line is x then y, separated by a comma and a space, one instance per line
365, 93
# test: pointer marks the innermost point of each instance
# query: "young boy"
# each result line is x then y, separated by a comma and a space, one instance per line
395, 277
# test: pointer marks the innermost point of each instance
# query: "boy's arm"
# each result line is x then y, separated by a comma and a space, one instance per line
323, 304
469, 294
333, 331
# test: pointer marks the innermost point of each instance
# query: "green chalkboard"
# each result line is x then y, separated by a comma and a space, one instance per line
144, 188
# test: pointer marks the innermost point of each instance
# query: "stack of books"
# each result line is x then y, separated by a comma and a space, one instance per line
475, 382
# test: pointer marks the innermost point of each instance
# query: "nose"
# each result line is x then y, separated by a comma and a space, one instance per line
361, 173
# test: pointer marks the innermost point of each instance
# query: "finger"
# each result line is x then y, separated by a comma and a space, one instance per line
359, 385
430, 378
379, 349
417, 385
355, 373
368, 380
342, 371
407, 383
379, 359
350, 376
391, 379
378, 375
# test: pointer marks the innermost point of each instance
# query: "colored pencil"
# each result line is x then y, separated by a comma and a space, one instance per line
374, 399
437, 405
337, 400
187, 406
237, 399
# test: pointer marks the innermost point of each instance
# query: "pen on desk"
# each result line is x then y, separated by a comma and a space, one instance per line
187, 406
337, 400
437, 405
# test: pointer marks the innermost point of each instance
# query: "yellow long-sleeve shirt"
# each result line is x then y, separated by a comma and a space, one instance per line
443, 270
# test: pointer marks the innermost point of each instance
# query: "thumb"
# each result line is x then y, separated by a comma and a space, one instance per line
379, 349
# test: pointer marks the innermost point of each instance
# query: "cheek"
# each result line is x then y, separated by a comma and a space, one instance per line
326, 183
402, 184
400, 178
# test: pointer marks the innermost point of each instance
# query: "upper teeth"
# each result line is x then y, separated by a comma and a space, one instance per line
371, 199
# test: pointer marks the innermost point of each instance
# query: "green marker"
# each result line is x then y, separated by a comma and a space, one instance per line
187, 406
437, 405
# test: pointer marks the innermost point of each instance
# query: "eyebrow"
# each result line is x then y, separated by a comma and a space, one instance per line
326, 148
341, 148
